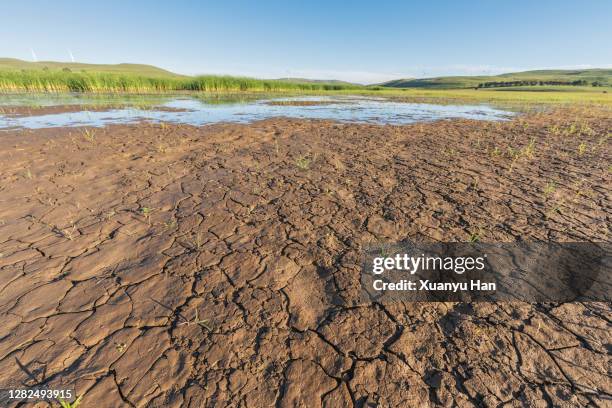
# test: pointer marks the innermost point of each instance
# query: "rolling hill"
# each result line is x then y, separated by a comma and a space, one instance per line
603, 76
13, 64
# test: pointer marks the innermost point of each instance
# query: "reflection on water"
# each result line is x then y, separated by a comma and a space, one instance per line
206, 109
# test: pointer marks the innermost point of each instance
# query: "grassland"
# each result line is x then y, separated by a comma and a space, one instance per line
13, 64
503, 96
603, 76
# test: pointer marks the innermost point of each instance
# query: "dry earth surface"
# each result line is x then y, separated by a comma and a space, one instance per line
169, 266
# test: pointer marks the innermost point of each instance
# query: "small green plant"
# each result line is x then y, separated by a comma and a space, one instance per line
120, 347
74, 404
302, 162
586, 129
529, 150
90, 135
196, 320
571, 129
146, 212
384, 249
549, 188
582, 148
161, 148
555, 130
194, 243
169, 224
513, 153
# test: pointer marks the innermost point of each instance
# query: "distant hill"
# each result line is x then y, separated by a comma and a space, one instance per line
603, 76
13, 64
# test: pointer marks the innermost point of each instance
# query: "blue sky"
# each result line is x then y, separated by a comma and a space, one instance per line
361, 41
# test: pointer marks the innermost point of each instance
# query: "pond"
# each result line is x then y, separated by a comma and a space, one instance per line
201, 110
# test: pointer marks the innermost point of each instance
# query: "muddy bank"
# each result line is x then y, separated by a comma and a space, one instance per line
307, 103
158, 265
20, 111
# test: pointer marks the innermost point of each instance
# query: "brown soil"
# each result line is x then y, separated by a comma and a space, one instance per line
169, 266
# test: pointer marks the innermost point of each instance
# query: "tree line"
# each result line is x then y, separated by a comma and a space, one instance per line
498, 84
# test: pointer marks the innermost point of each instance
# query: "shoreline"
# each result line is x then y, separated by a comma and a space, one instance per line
436, 96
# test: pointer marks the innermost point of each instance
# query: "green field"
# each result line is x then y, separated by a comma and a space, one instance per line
12, 64
603, 76
18, 76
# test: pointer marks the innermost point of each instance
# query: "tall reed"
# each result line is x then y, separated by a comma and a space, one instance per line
61, 81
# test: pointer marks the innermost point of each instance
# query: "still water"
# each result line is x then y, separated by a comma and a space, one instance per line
200, 111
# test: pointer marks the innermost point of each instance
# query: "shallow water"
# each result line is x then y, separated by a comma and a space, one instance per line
201, 111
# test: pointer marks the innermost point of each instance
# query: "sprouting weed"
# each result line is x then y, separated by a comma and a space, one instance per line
571, 129
302, 162
383, 249
196, 320
90, 135
513, 153
474, 237
585, 129
496, 151
120, 347
169, 224
582, 147
69, 232
603, 139
74, 404
555, 130
529, 150
549, 188
146, 213
194, 242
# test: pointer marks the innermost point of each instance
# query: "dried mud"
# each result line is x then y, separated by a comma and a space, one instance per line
169, 266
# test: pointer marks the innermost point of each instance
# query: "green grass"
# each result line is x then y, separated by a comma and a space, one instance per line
496, 96
52, 77
75, 404
60, 81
